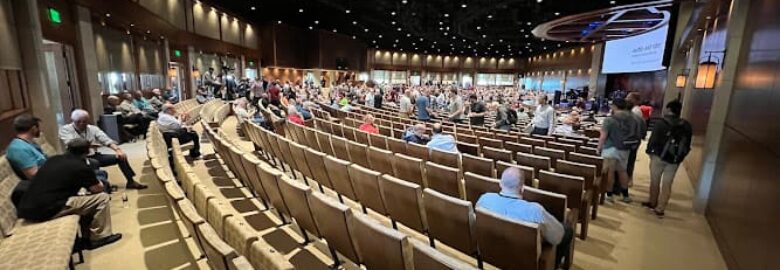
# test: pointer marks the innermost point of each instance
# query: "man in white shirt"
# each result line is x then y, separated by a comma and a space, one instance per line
456, 107
80, 128
544, 117
405, 105
171, 126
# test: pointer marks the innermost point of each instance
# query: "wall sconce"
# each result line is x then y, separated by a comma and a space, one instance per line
682, 78
195, 73
707, 72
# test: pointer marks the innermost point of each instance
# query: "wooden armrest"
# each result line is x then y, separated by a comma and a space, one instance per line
547, 258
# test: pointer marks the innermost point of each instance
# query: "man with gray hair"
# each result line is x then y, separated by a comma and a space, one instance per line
509, 203
171, 126
81, 128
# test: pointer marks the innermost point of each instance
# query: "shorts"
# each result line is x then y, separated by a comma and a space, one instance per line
615, 158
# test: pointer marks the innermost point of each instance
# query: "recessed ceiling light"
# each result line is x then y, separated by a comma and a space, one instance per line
334, 30
446, 15
279, 22
479, 27
353, 37
557, 14
311, 28
347, 11
380, 36
463, 5
612, 2
148, 31
365, 30
132, 25
108, 15
484, 36
316, 22
403, 2
399, 29
354, 22
528, 23
538, 1
392, 13
252, 8
490, 17
300, 10
393, 22
408, 35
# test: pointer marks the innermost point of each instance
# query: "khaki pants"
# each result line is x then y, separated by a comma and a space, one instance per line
661, 178
95, 214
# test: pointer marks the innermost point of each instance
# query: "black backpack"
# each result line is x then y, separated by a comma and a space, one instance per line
511, 116
676, 143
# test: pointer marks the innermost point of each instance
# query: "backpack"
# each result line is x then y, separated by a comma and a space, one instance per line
676, 143
511, 116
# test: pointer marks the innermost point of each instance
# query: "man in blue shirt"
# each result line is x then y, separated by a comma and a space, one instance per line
423, 104
442, 141
23, 153
510, 204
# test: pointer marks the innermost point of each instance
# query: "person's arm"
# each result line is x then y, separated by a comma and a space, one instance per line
551, 229
88, 179
68, 133
103, 139
551, 123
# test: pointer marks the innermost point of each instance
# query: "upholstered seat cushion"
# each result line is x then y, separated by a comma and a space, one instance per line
45, 245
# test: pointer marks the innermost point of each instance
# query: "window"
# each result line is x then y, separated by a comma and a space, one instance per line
505, 79
486, 79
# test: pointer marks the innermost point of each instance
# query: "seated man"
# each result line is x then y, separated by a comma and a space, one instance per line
510, 204
416, 134
442, 141
80, 128
171, 125
53, 193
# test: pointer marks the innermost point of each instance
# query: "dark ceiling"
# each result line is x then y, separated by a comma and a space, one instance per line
500, 28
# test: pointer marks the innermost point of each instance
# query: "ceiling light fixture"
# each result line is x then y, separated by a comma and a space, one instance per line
108, 15
252, 8
300, 10
446, 15
347, 11
557, 14
392, 13
463, 5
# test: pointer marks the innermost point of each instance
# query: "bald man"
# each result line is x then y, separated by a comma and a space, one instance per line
171, 125
509, 203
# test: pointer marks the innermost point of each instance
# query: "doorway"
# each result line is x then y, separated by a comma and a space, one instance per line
62, 80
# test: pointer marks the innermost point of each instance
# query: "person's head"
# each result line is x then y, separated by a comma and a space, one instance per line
453, 92
542, 99
27, 124
619, 104
127, 96
368, 119
291, 110
419, 129
436, 128
80, 119
674, 108
169, 109
79, 147
211, 69
113, 100
633, 98
512, 182
156, 92
473, 98
137, 94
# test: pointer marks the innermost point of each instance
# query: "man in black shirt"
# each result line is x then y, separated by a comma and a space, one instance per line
53, 193
477, 114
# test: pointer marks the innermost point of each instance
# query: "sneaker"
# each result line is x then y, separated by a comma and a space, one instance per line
610, 199
627, 199
135, 185
659, 214
104, 241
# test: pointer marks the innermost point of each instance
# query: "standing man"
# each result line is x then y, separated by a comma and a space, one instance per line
53, 193
423, 104
544, 117
667, 147
405, 108
455, 107
619, 134
80, 128
477, 114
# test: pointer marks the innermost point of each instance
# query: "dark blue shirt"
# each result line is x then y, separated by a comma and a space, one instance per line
422, 103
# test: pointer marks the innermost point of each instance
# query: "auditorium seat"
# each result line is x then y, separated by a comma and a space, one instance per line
296, 197
467, 138
524, 250
468, 148
444, 158
192, 220
574, 189
366, 184
323, 139
428, 258
202, 195
553, 154
311, 138
532, 141
269, 177
299, 157
218, 253
362, 137
251, 164
506, 137
404, 202
484, 141
216, 213
240, 263
333, 219
378, 141
562, 146
588, 150
535, 161
443, 179
497, 154
408, 168
264, 256
396, 145
380, 160
555, 204
476, 185
316, 161
452, 221
379, 247
339, 148
587, 172
239, 235
478, 165
338, 173
418, 151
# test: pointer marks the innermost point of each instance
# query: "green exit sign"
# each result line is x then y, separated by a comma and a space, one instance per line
177, 53
54, 16
251, 63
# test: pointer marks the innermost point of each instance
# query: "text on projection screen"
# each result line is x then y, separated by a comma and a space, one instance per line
639, 53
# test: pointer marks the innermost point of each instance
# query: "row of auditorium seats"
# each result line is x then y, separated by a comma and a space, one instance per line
412, 204
577, 177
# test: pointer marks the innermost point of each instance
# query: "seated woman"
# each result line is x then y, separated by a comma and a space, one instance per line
294, 116
368, 124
